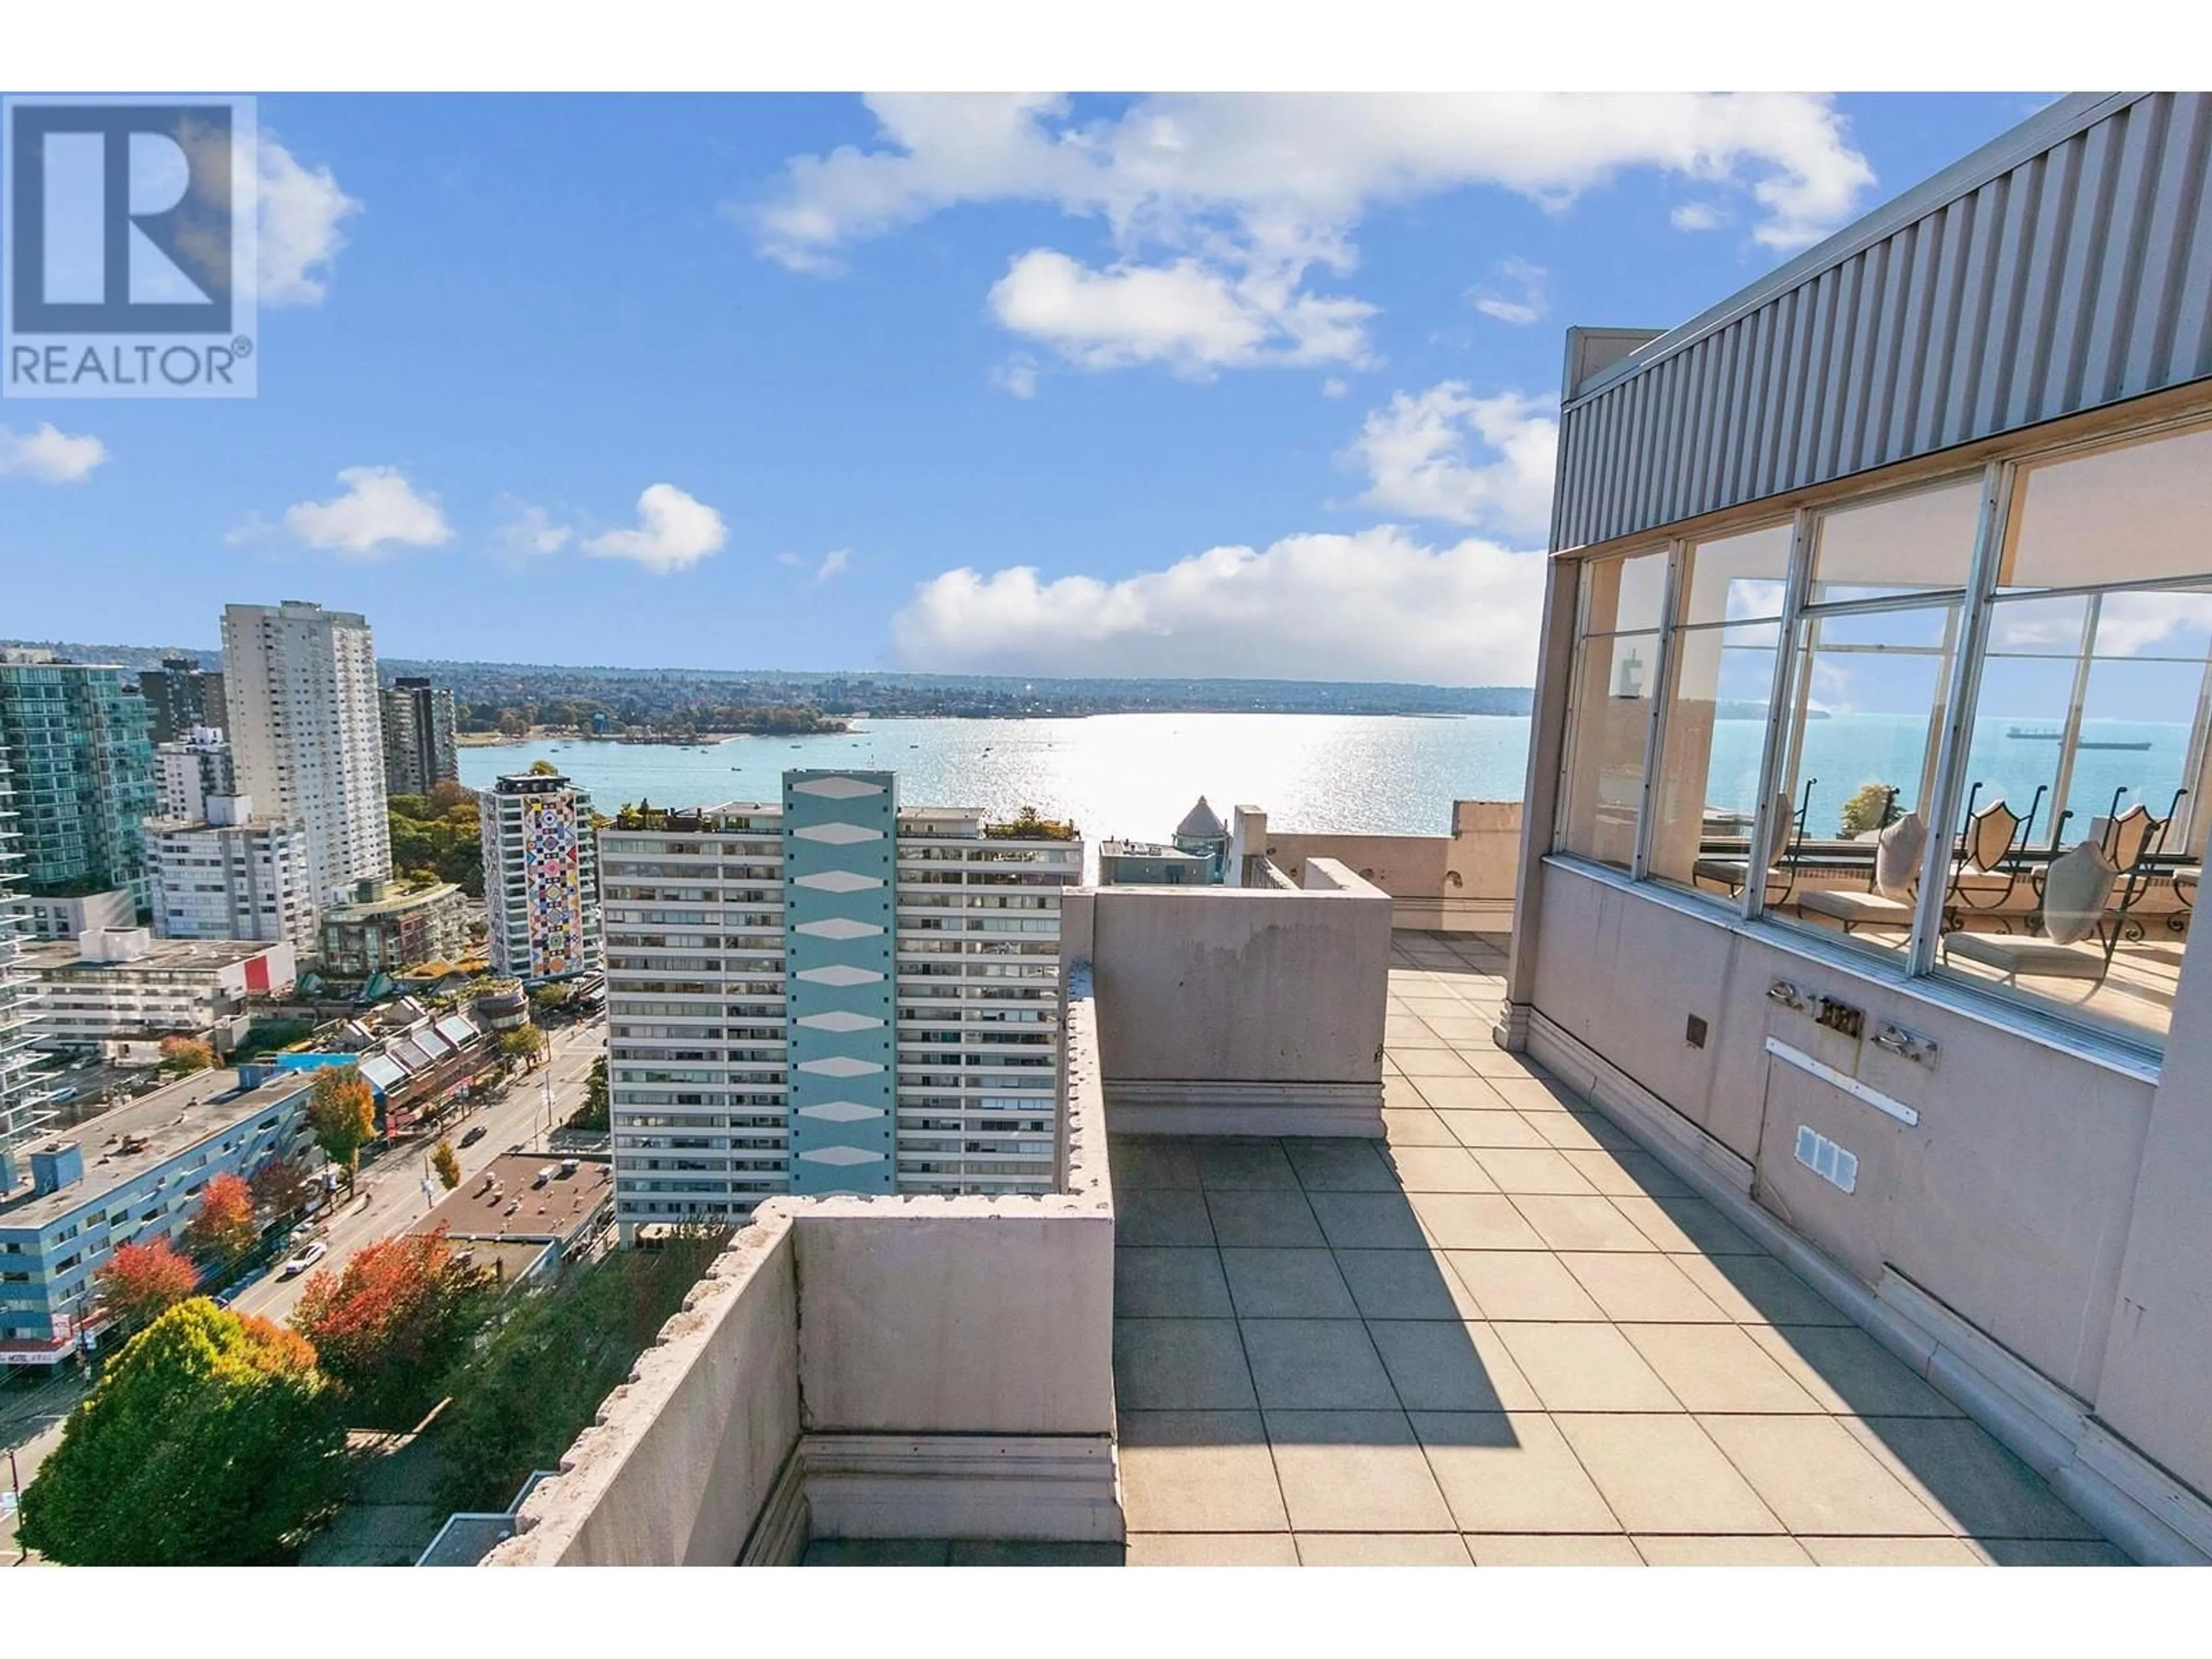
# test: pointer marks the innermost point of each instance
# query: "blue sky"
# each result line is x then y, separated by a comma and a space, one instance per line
1105, 384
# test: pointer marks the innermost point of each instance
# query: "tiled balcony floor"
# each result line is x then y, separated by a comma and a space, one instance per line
1505, 1336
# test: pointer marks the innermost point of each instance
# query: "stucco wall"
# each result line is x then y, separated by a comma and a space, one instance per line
2157, 1391
2011, 1202
684, 1455
1225, 984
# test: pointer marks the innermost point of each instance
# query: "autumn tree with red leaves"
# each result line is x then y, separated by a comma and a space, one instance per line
390, 1325
139, 1283
223, 1231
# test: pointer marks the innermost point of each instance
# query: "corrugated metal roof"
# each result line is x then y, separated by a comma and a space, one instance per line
2065, 266
457, 1030
382, 1074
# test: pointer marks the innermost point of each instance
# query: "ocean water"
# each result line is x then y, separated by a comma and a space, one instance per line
1112, 774
1137, 775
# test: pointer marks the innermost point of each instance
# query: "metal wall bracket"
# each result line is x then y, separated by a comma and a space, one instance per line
1907, 1045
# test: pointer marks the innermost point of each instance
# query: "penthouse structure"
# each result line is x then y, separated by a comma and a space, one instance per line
829, 994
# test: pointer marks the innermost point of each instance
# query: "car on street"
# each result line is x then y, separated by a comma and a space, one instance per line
306, 1259
473, 1136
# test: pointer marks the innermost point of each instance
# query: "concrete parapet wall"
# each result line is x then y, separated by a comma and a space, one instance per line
1231, 1011
956, 1315
1461, 882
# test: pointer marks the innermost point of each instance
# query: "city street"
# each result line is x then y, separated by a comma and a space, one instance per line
390, 1198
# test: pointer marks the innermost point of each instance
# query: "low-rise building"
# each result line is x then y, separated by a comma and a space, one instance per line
1150, 864
524, 1210
130, 1176
229, 874
389, 925
123, 985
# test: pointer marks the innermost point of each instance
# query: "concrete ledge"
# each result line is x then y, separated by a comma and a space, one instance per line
779, 1534
1204, 1107
2140, 1508
1054, 1488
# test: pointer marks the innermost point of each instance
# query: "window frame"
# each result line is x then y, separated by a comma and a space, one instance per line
2001, 478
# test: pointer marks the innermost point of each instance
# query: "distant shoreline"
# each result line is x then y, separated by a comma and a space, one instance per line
497, 740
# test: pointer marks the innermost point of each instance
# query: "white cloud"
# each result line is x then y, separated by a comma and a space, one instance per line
529, 533
1220, 207
301, 209
674, 532
48, 454
1416, 456
1696, 215
1017, 376
1188, 315
1335, 386
1378, 605
377, 510
1520, 296
834, 563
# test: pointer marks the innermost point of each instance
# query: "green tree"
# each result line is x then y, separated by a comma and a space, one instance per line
1873, 806
448, 1162
210, 1440
525, 1043
181, 1056
592, 1114
534, 1383
543, 769
392, 1323
342, 1113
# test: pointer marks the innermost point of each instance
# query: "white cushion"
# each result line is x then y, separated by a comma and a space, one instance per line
2075, 890
1897, 853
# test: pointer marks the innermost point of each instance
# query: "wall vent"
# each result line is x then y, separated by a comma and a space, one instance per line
1827, 1160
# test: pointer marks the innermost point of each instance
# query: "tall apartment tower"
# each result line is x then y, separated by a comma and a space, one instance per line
76, 740
418, 737
20, 1099
306, 737
179, 695
191, 768
541, 862
830, 994
223, 872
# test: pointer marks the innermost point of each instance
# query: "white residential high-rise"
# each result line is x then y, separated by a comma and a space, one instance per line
540, 862
227, 874
189, 769
306, 735
20, 1100
832, 994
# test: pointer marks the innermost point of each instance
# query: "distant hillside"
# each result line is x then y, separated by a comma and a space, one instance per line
634, 695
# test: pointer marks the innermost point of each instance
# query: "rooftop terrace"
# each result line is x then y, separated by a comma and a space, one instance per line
1505, 1334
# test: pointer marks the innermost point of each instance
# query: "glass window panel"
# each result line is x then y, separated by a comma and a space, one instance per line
1899, 545
1624, 596
2142, 512
1609, 716
1712, 743
1865, 717
1737, 579
2101, 698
